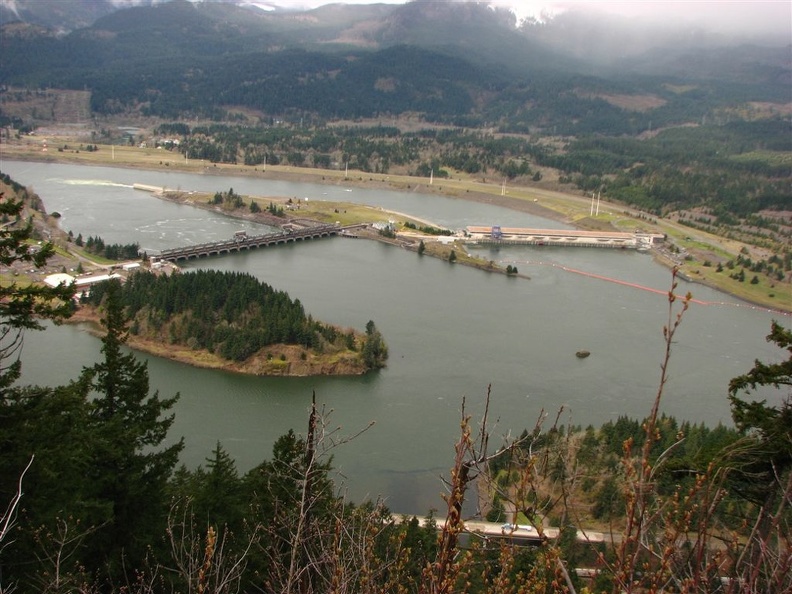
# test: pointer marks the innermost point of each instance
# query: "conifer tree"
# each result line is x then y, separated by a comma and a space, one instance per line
26, 427
218, 495
45, 442
764, 468
22, 307
375, 352
129, 471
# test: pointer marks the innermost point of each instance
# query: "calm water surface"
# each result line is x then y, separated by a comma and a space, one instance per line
452, 331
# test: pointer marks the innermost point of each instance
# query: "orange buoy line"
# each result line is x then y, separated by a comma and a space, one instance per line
650, 289
633, 285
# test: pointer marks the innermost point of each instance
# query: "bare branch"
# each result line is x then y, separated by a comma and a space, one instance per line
8, 519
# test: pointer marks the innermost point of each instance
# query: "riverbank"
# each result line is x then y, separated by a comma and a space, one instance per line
699, 256
545, 203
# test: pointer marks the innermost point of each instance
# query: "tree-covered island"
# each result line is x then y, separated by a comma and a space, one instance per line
233, 321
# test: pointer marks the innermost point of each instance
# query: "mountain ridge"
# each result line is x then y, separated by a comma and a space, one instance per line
464, 64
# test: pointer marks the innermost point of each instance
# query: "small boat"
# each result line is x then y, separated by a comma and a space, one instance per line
582, 354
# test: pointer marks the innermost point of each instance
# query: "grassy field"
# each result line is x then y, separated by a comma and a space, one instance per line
330, 212
774, 295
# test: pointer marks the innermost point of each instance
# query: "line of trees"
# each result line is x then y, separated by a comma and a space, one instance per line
113, 251
371, 149
732, 169
230, 199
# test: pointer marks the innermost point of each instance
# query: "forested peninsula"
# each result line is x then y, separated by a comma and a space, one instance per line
235, 322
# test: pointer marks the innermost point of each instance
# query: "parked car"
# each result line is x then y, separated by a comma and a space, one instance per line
516, 528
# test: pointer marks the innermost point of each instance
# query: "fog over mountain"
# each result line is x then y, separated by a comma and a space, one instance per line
594, 28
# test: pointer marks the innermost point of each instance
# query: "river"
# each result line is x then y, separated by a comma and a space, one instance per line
451, 331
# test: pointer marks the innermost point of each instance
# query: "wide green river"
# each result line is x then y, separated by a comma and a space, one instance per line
452, 332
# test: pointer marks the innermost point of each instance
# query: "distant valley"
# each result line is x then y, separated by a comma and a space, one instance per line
684, 124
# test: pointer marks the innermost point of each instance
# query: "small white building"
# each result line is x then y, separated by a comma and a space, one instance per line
389, 226
92, 280
56, 280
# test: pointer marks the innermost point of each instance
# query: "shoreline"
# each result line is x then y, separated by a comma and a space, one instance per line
542, 202
449, 188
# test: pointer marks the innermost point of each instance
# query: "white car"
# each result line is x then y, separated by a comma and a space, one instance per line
516, 528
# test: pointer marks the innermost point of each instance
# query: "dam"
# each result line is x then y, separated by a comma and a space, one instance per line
497, 235
243, 242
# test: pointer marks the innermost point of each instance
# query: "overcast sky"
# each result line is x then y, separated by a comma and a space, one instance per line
730, 16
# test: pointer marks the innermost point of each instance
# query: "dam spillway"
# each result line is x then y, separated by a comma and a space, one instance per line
242, 242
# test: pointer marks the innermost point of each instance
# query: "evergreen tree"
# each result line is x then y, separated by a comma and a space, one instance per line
22, 307
762, 461
47, 431
28, 436
218, 493
375, 352
128, 472
763, 467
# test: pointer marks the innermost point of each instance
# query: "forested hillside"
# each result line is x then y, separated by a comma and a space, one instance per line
734, 170
460, 63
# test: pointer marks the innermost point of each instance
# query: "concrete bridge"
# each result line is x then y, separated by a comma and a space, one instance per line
242, 241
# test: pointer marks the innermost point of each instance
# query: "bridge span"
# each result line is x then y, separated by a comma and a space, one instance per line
241, 242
